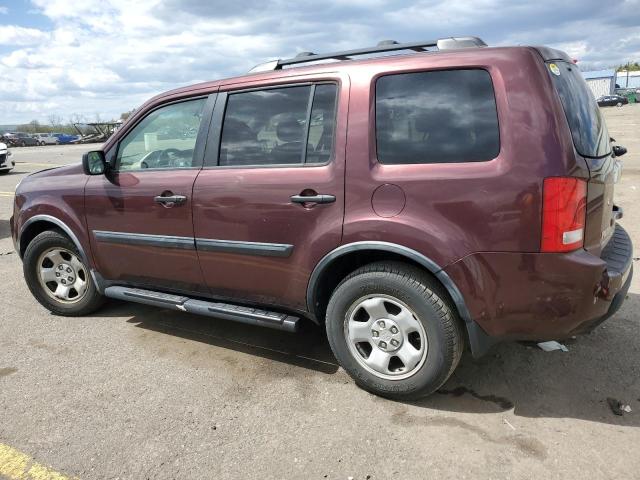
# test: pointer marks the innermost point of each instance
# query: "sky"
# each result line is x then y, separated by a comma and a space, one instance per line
94, 59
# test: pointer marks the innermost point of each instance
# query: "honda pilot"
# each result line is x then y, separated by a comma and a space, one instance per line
413, 199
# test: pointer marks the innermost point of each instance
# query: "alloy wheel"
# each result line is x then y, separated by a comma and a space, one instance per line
62, 275
385, 336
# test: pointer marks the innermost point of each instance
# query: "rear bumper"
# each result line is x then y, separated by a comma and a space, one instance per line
618, 255
540, 296
616, 303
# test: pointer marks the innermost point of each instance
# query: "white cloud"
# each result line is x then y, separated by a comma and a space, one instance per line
4, 10
108, 56
577, 50
16, 35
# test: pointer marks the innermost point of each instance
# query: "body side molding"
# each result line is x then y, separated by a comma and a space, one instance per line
247, 248
190, 243
479, 340
166, 241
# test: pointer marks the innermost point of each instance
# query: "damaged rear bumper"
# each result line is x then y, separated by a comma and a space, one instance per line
618, 255
543, 296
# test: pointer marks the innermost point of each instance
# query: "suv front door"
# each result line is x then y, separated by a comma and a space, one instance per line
139, 214
258, 240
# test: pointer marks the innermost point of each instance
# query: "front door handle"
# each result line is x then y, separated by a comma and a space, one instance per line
313, 199
170, 200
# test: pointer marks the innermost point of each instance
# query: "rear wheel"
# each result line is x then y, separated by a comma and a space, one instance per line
23, 144
619, 104
392, 329
42, 144
58, 277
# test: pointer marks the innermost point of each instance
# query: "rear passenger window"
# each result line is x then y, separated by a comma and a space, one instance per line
280, 126
436, 117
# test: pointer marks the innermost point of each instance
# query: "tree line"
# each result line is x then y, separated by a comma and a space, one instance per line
629, 67
56, 124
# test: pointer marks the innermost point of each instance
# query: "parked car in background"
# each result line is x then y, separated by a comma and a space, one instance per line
465, 204
612, 101
6, 162
20, 139
65, 138
46, 138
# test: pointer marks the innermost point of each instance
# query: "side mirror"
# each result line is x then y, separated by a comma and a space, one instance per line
618, 151
94, 163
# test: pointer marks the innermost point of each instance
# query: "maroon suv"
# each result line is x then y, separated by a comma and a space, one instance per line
412, 203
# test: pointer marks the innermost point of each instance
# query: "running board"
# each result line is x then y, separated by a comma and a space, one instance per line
227, 311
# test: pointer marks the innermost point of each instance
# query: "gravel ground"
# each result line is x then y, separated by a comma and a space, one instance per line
136, 392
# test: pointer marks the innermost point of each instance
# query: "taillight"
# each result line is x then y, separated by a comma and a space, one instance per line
564, 203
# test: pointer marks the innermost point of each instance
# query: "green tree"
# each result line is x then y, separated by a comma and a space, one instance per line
125, 115
32, 127
630, 67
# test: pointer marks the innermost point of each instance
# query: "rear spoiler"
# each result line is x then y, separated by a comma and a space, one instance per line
548, 54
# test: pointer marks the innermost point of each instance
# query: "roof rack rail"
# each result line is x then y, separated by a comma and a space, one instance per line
384, 46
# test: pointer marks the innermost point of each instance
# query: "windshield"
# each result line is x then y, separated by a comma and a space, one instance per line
589, 132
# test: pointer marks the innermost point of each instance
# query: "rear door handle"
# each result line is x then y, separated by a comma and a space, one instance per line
170, 200
313, 198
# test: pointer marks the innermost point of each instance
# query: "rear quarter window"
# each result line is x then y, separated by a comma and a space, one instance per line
444, 116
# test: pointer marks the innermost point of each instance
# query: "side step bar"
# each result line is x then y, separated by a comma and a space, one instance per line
227, 311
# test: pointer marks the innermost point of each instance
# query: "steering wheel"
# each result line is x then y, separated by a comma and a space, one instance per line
170, 157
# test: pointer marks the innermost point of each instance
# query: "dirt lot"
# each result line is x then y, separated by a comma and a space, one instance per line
137, 392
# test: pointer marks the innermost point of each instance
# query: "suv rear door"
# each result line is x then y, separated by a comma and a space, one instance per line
257, 238
139, 215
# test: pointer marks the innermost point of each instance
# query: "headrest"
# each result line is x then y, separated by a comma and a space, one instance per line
289, 130
237, 131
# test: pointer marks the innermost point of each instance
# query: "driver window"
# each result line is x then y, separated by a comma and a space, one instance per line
165, 138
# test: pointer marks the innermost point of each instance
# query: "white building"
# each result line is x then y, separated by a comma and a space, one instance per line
601, 82
625, 79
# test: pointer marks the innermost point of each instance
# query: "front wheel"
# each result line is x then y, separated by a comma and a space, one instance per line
391, 327
23, 144
58, 277
619, 104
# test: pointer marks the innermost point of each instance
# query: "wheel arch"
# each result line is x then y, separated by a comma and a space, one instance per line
41, 223
341, 261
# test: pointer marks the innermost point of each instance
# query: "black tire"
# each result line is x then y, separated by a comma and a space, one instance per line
424, 296
619, 104
90, 301
23, 144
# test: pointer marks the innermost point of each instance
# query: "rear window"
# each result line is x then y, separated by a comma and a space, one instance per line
589, 132
436, 117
